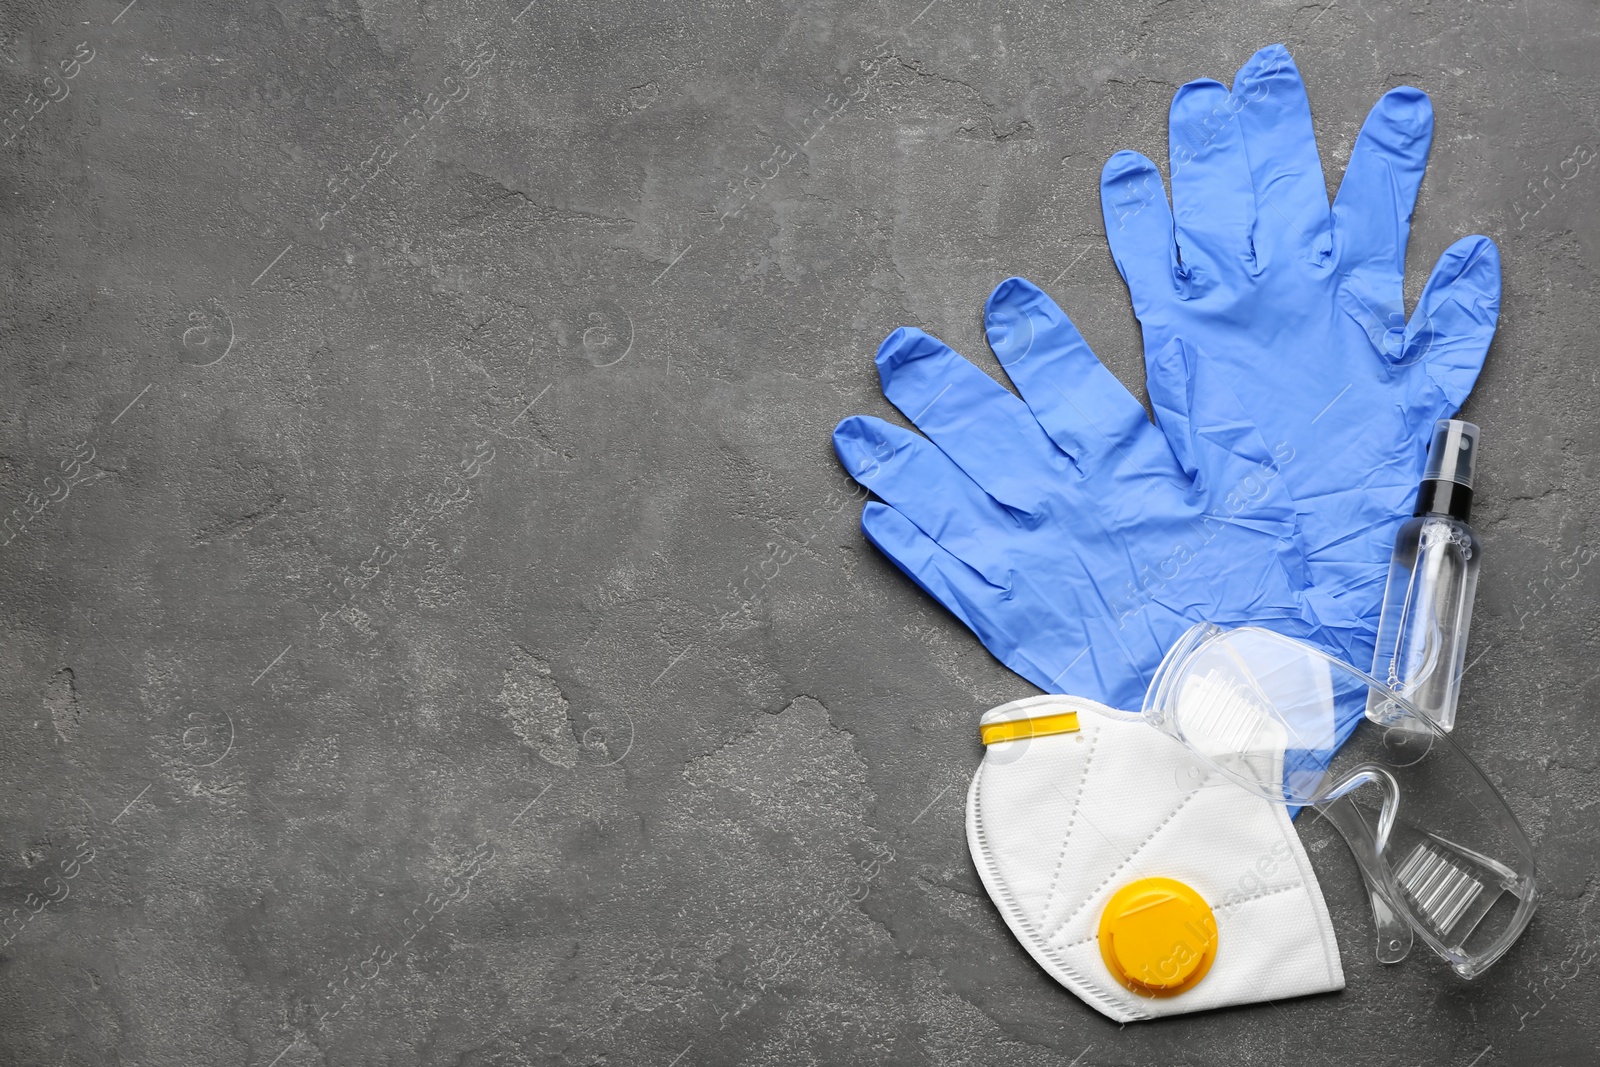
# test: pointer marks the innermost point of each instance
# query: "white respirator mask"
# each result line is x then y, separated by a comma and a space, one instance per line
1134, 874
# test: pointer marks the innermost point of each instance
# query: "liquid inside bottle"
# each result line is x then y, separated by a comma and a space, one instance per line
1427, 610
1433, 575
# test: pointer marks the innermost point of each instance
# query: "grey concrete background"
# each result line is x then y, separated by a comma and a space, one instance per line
441, 633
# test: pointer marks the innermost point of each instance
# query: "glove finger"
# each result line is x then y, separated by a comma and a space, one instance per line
1048, 642
1455, 318
1213, 202
942, 576
1372, 213
1139, 230
1081, 405
972, 418
1291, 197
906, 471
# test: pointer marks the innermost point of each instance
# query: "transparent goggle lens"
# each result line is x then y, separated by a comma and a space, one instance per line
1442, 854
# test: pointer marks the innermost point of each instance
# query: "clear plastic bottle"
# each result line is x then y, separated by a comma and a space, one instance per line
1427, 605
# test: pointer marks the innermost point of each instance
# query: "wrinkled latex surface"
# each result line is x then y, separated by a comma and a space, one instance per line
1297, 306
1063, 528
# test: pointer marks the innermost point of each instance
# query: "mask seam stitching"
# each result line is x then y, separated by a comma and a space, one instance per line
1072, 822
1074, 980
1332, 964
1125, 863
1220, 907
1260, 896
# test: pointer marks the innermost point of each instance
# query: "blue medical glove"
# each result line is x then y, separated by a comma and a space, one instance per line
1298, 307
1062, 528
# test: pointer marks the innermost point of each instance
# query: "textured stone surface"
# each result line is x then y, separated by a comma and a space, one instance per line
457, 645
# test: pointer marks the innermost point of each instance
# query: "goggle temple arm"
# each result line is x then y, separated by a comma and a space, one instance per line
1393, 932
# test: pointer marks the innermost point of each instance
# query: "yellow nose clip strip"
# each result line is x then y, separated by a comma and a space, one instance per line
1063, 722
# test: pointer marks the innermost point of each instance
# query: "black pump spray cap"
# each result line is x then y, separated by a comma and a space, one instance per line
1447, 479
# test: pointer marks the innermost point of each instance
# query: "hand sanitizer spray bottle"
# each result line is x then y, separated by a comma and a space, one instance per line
1427, 605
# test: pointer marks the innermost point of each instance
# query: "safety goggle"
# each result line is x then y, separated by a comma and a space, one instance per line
1443, 857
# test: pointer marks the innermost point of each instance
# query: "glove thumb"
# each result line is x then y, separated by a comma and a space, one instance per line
1450, 331
1455, 320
